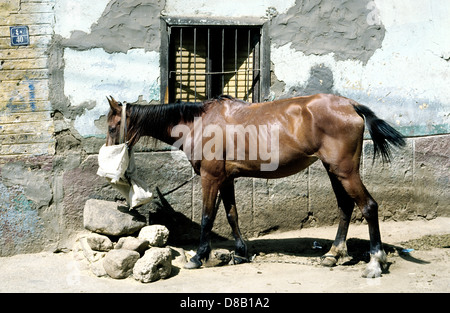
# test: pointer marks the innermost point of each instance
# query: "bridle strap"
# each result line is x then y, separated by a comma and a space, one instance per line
123, 124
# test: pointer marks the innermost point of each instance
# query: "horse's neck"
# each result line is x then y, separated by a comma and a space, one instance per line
158, 131
171, 133
158, 123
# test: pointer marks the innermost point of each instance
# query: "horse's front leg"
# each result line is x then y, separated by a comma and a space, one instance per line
210, 188
229, 202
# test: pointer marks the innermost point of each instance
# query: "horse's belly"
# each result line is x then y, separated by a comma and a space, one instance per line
273, 169
289, 168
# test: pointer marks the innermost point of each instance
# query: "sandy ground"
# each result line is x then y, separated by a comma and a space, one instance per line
285, 262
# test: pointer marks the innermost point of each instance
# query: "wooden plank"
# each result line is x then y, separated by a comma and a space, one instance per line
35, 42
27, 149
10, 107
23, 52
26, 138
25, 64
27, 19
26, 90
17, 75
25, 128
34, 30
26, 117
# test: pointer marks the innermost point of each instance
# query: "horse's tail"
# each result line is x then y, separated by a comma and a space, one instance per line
381, 132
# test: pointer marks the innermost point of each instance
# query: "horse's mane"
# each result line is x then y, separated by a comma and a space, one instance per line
168, 114
161, 117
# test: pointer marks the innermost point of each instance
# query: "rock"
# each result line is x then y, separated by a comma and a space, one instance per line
98, 269
132, 243
109, 218
99, 242
88, 253
79, 257
155, 264
178, 256
156, 235
218, 257
119, 263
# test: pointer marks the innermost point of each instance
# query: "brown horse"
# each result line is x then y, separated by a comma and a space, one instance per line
225, 138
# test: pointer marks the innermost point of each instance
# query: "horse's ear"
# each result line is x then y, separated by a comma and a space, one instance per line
113, 104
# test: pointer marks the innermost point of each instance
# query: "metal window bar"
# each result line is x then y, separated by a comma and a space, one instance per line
247, 66
235, 62
223, 57
195, 64
208, 65
183, 72
181, 61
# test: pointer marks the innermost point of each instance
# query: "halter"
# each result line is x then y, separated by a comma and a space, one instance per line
123, 124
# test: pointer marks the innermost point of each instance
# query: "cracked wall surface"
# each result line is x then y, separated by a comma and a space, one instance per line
391, 57
374, 53
321, 27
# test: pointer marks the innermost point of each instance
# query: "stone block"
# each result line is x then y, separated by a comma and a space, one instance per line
98, 269
88, 252
109, 218
218, 257
99, 242
155, 235
119, 263
390, 184
155, 264
167, 170
178, 256
80, 184
132, 243
280, 203
431, 176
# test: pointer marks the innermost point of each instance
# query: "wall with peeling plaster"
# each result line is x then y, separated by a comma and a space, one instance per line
390, 55
387, 56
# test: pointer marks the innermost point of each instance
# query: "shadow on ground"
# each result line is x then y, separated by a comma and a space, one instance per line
185, 233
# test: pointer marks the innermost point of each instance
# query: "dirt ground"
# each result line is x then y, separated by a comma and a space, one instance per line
285, 262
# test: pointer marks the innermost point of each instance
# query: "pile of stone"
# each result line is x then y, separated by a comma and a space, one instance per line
145, 257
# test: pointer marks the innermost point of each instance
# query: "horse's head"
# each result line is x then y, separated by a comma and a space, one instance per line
114, 122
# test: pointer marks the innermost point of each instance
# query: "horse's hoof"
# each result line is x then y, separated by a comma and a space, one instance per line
372, 271
374, 268
192, 265
239, 259
328, 260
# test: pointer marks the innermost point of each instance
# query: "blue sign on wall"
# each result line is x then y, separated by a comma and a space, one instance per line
19, 36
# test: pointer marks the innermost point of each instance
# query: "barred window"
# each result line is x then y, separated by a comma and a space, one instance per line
205, 60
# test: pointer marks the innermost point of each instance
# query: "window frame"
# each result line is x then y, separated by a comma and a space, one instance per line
264, 53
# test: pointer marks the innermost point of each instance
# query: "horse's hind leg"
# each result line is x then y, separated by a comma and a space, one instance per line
338, 251
357, 191
229, 202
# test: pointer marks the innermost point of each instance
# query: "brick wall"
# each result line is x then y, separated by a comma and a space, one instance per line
26, 125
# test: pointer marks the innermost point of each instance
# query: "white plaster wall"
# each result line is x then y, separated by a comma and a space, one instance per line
406, 81
229, 8
73, 15
90, 76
